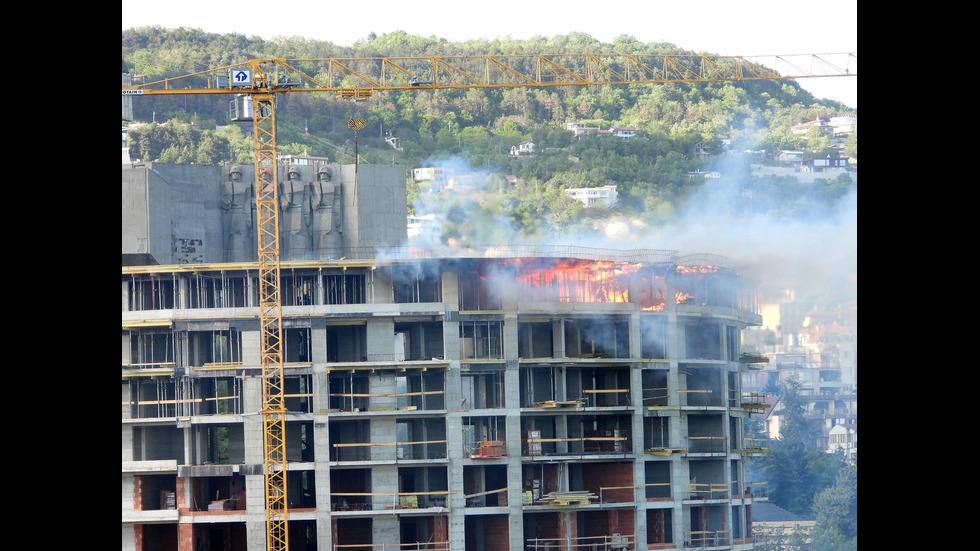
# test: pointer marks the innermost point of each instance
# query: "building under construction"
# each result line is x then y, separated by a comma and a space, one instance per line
506, 399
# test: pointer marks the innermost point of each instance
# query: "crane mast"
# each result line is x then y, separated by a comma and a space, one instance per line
360, 78
270, 321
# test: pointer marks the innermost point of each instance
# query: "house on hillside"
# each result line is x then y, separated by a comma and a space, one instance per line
580, 129
434, 174
843, 126
711, 174
605, 195
844, 437
523, 148
624, 132
802, 129
829, 164
791, 157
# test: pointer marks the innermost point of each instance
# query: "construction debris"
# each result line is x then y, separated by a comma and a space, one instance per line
567, 498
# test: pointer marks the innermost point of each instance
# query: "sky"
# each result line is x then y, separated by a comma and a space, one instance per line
718, 27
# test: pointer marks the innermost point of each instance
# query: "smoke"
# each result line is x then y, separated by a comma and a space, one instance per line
776, 232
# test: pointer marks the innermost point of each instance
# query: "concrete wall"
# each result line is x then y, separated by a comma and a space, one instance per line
190, 214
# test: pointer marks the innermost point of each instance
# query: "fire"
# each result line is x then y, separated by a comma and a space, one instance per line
683, 298
574, 280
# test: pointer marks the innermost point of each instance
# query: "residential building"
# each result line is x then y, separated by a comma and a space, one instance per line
523, 148
581, 129
604, 195
792, 157
520, 397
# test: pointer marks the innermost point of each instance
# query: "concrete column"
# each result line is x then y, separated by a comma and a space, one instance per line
321, 468
380, 339
384, 479
558, 338
635, 335
515, 477
252, 355
253, 430
639, 464
183, 299
561, 431
318, 342
456, 500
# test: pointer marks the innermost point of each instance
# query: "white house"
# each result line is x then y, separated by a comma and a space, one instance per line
786, 156
844, 437
432, 173
624, 132
523, 148
580, 129
606, 195
712, 174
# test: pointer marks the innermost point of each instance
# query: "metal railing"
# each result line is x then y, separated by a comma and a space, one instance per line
612, 542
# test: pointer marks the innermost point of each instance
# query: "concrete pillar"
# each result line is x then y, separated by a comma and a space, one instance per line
515, 477
318, 344
183, 299
386, 529
253, 432
455, 531
558, 338
639, 466
380, 339
321, 467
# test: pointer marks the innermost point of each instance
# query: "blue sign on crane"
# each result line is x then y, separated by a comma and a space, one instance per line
241, 77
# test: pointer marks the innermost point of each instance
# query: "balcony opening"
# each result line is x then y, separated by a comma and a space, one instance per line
597, 338
344, 288
482, 390
535, 340
415, 283
480, 286
152, 292
349, 489
484, 437
655, 391
653, 332
481, 340
485, 485
658, 482
419, 340
660, 526
347, 343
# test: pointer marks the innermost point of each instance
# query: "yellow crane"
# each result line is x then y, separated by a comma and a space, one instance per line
256, 83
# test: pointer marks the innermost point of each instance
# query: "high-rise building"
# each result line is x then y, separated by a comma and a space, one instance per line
508, 398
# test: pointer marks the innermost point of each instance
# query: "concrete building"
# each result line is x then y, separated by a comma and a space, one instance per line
603, 195
512, 398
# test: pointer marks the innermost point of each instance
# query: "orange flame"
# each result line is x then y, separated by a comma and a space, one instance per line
574, 280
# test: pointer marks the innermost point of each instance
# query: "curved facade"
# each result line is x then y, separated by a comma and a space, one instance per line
508, 399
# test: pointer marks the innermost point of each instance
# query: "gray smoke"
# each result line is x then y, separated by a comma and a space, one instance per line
800, 239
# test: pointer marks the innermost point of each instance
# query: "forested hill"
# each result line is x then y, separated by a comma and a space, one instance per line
478, 127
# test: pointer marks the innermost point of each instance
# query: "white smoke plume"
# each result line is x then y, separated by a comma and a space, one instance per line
803, 242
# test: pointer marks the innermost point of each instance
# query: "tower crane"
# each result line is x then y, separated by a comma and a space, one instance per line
256, 83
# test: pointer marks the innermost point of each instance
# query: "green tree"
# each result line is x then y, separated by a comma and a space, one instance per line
851, 149
835, 509
795, 468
